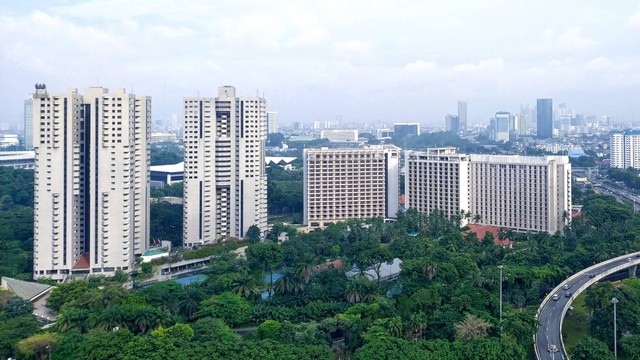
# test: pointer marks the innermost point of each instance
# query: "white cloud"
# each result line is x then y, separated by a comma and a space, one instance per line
419, 66
573, 40
634, 21
482, 66
355, 46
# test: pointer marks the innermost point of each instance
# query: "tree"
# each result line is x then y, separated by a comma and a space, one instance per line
305, 267
269, 329
472, 327
16, 306
14, 330
231, 308
210, 329
373, 258
245, 286
38, 346
265, 255
589, 348
631, 347
253, 234
288, 283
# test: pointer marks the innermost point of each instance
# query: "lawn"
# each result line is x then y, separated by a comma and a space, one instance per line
575, 325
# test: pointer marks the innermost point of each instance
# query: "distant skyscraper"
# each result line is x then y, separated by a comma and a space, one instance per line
28, 123
452, 123
225, 184
544, 117
91, 193
521, 124
462, 115
272, 122
502, 128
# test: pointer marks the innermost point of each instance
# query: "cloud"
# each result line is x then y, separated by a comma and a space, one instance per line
634, 21
419, 66
355, 46
573, 40
482, 66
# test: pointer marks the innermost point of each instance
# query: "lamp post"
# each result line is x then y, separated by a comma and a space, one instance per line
614, 301
500, 267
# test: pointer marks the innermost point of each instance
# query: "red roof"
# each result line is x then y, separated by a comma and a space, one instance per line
82, 263
336, 264
481, 230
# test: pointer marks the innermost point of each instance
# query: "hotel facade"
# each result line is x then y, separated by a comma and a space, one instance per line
522, 193
356, 183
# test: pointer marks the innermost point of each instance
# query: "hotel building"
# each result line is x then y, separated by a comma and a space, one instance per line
91, 199
625, 149
523, 193
342, 184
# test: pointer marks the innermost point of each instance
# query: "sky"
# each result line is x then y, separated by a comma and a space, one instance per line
357, 61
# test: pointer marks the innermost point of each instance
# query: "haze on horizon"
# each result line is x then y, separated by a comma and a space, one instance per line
361, 61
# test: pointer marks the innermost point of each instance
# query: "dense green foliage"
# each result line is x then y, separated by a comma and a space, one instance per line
173, 190
284, 191
166, 153
630, 177
16, 222
165, 222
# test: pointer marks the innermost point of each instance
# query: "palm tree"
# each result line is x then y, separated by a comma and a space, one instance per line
353, 291
417, 324
394, 327
245, 286
305, 267
145, 319
288, 283
190, 301
472, 327
112, 317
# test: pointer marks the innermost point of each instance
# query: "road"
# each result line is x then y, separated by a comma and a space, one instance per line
550, 315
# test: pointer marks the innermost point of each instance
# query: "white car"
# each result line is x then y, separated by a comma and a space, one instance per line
555, 297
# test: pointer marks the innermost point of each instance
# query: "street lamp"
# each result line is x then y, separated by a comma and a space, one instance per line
614, 301
500, 267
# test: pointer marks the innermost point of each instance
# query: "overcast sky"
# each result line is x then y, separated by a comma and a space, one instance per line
361, 61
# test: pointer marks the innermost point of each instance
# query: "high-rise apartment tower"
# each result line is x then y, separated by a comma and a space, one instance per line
462, 115
91, 199
225, 184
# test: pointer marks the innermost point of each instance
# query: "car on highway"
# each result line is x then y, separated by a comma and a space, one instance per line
592, 275
565, 287
629, 259
568, 294
555, 297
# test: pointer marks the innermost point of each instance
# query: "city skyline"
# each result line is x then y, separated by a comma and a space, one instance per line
325, 60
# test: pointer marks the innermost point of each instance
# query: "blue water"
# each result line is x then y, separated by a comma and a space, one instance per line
191, 279
267, 278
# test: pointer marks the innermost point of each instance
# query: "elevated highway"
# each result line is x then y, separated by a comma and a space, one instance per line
548, 339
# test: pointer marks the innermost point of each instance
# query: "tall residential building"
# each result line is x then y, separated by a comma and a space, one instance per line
462, 115
225, 184
91, 198
625, 149
405, 129
272, 122
521, 124
28, 124
523, 193
342, 184
544, 117
452, 123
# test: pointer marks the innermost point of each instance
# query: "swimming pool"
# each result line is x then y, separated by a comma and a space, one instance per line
191, 279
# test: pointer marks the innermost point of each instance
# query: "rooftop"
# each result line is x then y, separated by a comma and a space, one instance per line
26, 290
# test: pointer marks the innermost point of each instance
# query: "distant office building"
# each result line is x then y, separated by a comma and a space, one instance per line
520, 124
339, 135
462, 115
523, 193
91, 196
342, 184
625, 149
158, 137
28, 124
225, 184
272, 122
452, 123
544, 117
401, 130
298, 125
502, 127
382, 134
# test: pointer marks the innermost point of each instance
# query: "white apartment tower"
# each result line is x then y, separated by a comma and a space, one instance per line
625, 149
272, 122
357, 183
522, 193
91, 204
225, 184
